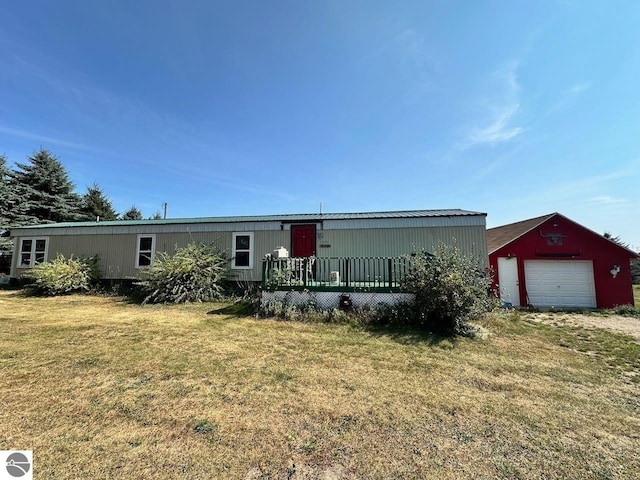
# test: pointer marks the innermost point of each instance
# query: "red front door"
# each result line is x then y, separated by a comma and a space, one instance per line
303, 240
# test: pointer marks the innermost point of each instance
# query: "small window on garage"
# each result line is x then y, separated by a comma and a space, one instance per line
146, 250
33, 251
242, 251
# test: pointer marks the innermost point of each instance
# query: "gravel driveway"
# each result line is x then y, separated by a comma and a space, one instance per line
614, 323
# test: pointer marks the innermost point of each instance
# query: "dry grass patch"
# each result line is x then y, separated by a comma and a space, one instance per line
99, 388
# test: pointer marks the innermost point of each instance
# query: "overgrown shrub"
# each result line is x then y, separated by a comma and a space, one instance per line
308, 312
402, 314
450, 289
627, 310
195, 273
63, 275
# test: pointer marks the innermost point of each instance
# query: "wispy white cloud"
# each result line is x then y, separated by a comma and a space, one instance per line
499, 106
587, 184
608, 200
416, 52
229, 182
489, 168
589, 188
410, 57
568, 96
40, 138
500, 130
575, 90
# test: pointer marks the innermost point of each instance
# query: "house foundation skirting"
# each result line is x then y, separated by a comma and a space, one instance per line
331, 300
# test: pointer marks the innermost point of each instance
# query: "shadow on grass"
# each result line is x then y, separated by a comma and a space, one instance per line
10, 286
236, 310
16, 289
412, 336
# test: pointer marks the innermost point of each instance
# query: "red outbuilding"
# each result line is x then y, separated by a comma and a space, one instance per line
552, 261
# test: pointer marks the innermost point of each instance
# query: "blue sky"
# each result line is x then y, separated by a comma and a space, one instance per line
512, 108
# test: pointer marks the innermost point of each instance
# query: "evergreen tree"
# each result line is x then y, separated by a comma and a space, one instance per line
615, 239
635, 262
8, 206
6, 194
45, 191
96, 204
635, 272
156, 216
132, 214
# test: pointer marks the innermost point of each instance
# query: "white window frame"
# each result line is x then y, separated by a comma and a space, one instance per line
152, 236
32, 251
235, 251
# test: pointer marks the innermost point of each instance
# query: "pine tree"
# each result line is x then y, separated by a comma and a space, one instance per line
95, 204
635, 262
45, 191
8, 206
615, 239
6, 194
132, 214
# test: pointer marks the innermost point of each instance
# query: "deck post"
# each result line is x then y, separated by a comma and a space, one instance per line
265, 269
305, 273
390, 272
346, 272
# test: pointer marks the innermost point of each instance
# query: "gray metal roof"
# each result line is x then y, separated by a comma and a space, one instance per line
294, 217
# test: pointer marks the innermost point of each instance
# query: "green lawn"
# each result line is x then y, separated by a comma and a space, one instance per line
100, 388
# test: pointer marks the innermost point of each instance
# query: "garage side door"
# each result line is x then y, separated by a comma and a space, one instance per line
560, 283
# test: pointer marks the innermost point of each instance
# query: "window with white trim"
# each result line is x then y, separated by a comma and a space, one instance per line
145, 251
242, 250
33, 251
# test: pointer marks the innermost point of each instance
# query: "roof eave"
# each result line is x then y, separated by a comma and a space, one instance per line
543, 219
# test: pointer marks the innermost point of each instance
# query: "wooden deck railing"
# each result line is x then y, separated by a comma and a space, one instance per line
334, 273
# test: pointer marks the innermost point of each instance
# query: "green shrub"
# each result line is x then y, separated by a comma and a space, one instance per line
308, 312
450, 289
195, 273
401, 315
63, 275
627, 310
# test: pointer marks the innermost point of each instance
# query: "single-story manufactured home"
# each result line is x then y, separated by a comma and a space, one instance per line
552, 261
126, 247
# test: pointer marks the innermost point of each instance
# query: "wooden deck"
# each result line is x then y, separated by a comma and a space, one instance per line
369, 274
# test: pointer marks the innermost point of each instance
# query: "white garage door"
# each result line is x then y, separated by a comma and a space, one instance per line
560, 283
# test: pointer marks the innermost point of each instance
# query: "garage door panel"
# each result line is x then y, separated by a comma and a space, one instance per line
560, 283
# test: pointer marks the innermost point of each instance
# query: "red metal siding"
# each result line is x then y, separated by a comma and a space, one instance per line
559, 238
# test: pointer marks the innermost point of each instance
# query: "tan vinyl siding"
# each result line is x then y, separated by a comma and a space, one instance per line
117, 253
400, 241
116, 246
